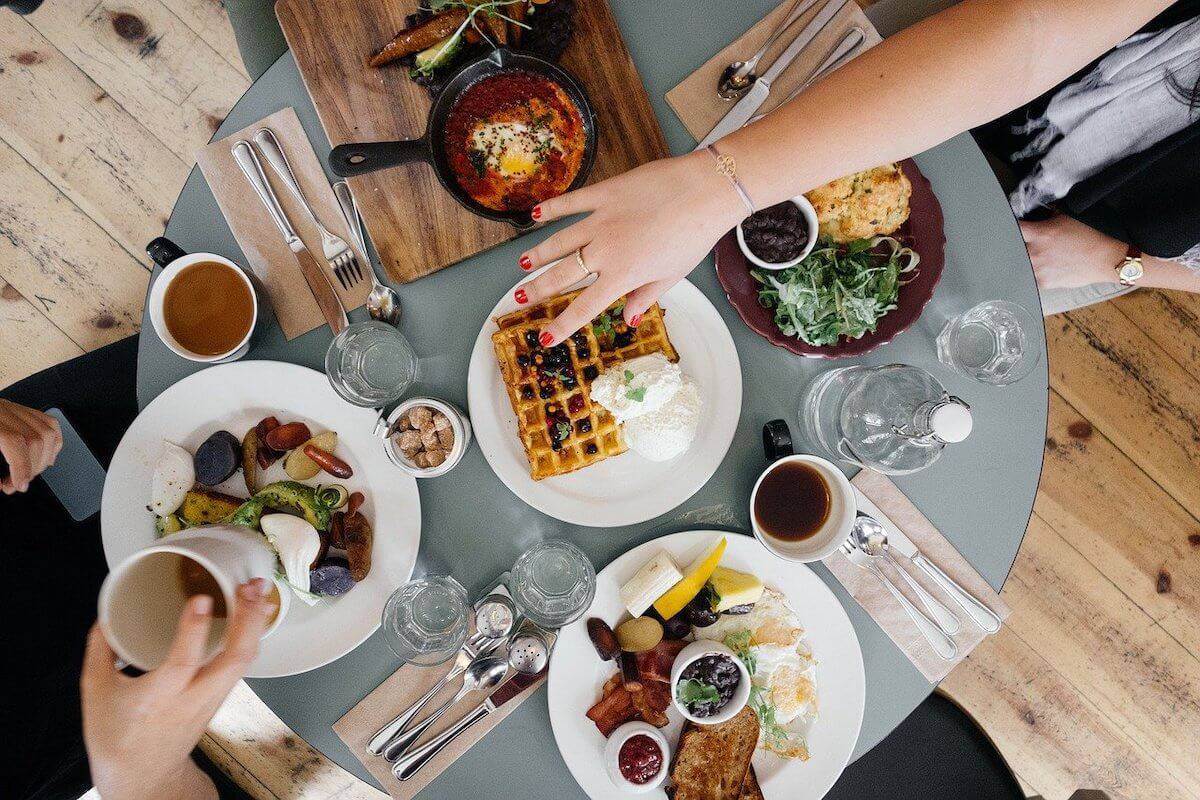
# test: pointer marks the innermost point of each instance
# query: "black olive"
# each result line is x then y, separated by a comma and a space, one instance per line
677, 627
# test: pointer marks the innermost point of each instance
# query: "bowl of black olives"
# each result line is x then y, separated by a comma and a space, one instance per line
780, 236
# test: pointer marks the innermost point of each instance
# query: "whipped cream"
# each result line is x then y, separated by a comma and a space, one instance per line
656, 403
637, 387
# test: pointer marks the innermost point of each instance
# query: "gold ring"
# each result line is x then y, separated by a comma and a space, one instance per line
587, 273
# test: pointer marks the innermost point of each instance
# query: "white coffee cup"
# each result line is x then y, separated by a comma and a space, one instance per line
158, 293
843, 507
143, 596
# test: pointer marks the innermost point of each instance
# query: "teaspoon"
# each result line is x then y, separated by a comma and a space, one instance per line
383, 303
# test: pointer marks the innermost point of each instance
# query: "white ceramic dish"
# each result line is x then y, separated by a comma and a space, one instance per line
458, 423
235, 397
842, 511
626, 489
612, 752
810, 219
697, 650
577, 674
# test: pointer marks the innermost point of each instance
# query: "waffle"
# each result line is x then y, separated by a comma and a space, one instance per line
548, 389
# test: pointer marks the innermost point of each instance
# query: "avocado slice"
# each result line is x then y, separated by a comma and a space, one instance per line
437, 55
287, 496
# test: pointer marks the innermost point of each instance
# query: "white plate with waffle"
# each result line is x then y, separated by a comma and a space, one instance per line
622, 489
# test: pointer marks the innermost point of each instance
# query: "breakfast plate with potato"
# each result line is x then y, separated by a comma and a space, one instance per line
270, 447
725, 665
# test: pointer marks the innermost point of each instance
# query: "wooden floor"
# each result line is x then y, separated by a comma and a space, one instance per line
1095, 681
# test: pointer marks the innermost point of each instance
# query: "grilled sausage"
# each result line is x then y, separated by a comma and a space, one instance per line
287, 437
328, 461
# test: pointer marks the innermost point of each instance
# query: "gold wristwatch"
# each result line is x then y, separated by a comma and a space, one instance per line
1130, 270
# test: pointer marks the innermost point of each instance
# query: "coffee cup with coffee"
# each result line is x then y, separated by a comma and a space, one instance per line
203, 306
142, 597
802, 507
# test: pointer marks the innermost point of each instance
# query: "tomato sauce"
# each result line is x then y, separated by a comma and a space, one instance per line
514, 139
640, 759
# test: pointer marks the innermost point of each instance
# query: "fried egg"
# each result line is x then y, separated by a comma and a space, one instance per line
784, 670
513, 149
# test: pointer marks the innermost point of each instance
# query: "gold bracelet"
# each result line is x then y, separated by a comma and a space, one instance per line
728, 167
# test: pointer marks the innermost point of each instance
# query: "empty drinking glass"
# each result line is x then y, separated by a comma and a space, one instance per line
425, 621
371, 364
553, 583
991, 342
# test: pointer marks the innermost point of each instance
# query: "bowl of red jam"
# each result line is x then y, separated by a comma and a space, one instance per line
637, 757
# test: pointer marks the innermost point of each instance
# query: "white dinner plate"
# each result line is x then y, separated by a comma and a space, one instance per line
234, 397
577, 674
628, 488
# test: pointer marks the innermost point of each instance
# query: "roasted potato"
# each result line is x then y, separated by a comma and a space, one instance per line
206, 507
299, 467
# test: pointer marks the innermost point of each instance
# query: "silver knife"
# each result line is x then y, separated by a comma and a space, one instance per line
741, 113
980, 614
327, 299
845, 50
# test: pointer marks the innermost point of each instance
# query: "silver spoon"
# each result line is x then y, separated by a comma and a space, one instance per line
872, 538
481, 675
383, 303
740, 75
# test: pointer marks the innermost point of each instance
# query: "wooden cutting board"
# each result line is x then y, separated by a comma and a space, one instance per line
417, 227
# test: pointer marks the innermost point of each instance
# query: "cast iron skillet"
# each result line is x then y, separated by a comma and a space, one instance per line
348, 160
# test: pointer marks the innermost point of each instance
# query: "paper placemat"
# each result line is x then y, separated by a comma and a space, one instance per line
695, 100
882, 499
267, 255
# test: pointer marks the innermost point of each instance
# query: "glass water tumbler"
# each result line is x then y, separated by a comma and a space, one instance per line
425, 621
553, 583
992, 343
371, 364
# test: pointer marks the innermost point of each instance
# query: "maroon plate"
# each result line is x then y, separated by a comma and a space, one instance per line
923, 232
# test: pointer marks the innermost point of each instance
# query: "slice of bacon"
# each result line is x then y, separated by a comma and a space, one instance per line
614, 708
655, 663
651, 703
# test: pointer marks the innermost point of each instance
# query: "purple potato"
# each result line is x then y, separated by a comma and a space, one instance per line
332, 578
217, 458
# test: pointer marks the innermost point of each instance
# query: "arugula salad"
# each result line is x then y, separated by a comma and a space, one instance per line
840, 289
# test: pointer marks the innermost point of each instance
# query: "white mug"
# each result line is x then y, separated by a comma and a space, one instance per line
843, 508
158, 293
143, 596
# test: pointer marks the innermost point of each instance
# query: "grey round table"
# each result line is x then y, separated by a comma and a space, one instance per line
979, 494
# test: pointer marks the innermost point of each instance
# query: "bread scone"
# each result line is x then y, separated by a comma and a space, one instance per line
873, 202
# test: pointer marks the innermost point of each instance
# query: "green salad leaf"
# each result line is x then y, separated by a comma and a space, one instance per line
840, 289
692, 691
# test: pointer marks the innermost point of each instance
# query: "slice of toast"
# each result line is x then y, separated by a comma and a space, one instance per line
712, 761
750, 788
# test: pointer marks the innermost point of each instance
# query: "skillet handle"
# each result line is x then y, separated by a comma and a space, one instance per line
348, 160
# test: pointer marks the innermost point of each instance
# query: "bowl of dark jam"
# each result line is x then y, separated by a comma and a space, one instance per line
709, 683
637, 757
779, 236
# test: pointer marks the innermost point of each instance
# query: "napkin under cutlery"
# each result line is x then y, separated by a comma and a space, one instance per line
885, 502
695, 99
266, 254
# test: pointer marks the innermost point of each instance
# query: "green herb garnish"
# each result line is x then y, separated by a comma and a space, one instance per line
740, 644
564, 431
838, 290
693, 692
636, 395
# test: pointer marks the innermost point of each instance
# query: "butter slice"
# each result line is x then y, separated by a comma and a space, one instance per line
649, 583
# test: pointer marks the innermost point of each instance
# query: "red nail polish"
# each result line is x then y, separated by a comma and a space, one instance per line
521, 297
536, 213
526, 263
545, 339
635, 320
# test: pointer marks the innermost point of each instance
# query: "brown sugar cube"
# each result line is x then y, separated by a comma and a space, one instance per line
421, 417
403, 424
421, 459
409, 442
446, 437
435, 457
429, 439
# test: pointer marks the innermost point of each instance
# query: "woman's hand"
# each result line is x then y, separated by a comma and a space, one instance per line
30, 441
139, 732
646, 229
1066, 253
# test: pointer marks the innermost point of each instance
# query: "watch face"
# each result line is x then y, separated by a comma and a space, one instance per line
1131, 271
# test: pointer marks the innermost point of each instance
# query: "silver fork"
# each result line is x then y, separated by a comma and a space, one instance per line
942, 644
340, 255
